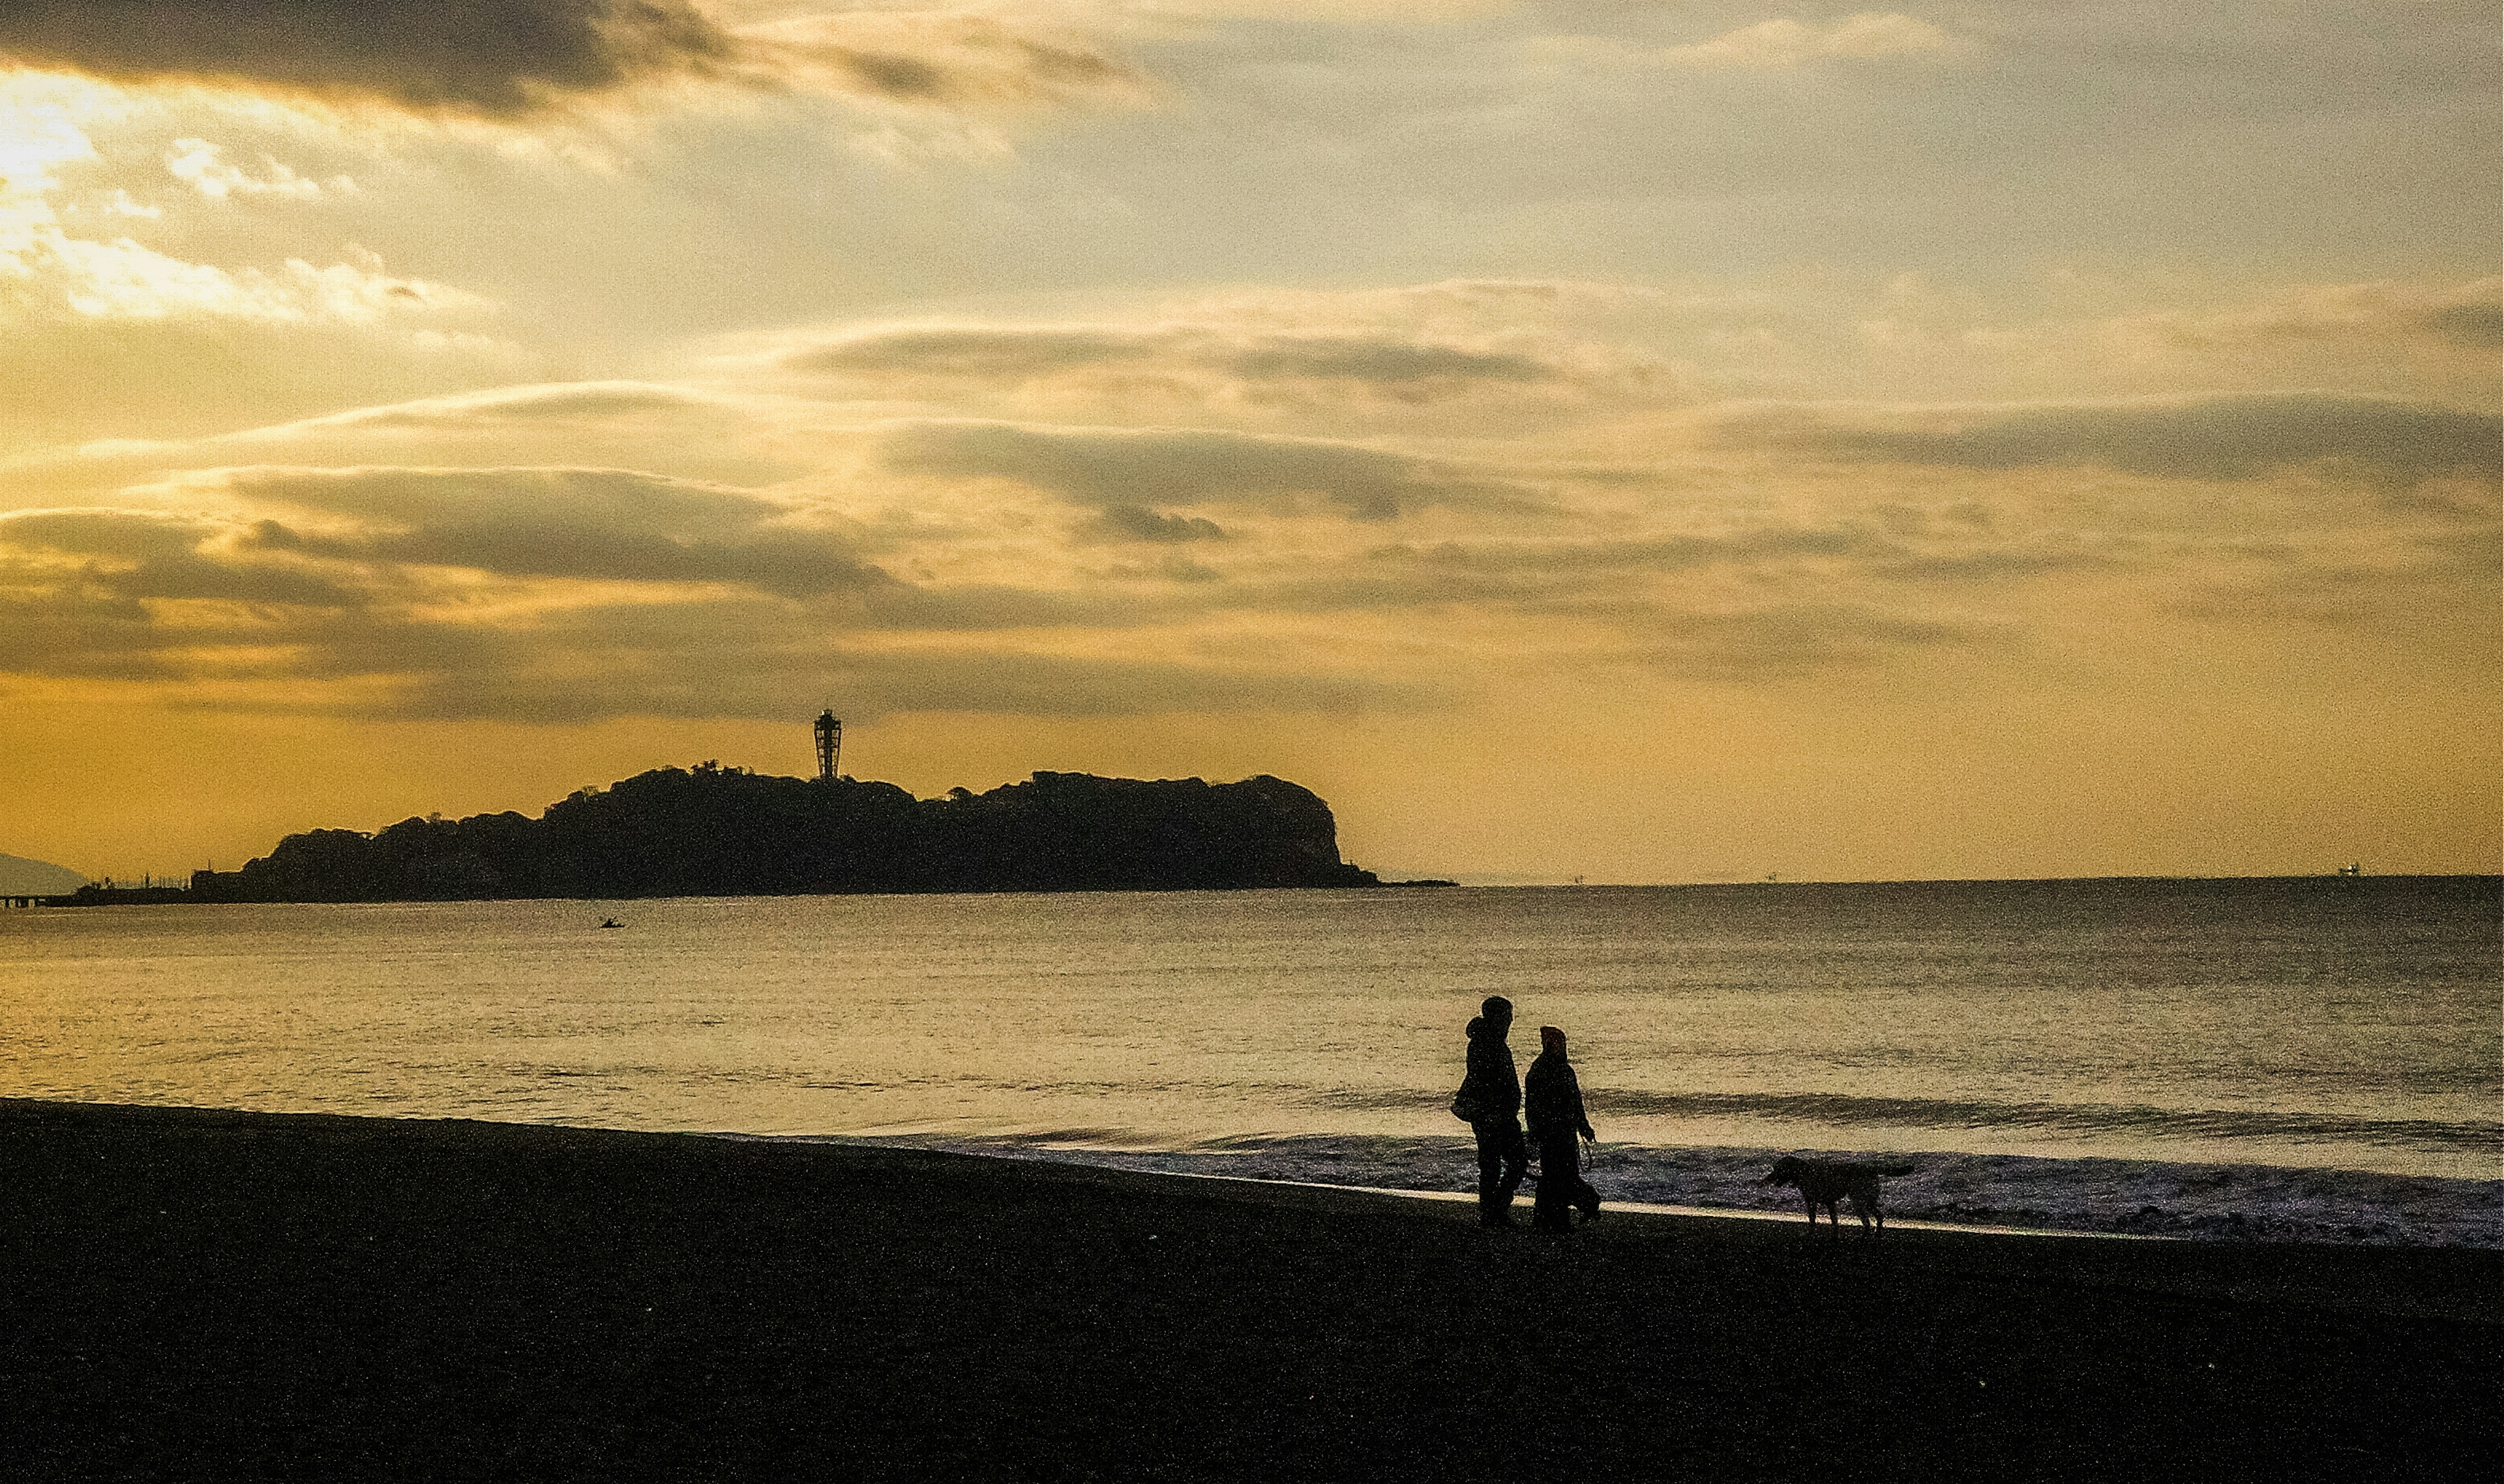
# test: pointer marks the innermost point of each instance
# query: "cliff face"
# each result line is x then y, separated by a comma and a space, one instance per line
20, 876
725, 832
1060, 830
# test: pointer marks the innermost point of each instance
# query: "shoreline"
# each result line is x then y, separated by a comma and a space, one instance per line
1614, 1206
2080, 1194
2208, 1201
319, 1295
107, 894
1728, 1212
1702, 1213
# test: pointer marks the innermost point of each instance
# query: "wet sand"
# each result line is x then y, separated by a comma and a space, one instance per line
194, 1294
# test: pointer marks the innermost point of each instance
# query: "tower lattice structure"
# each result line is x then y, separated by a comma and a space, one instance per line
830, 746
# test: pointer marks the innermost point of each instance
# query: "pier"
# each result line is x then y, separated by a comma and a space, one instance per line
106, 894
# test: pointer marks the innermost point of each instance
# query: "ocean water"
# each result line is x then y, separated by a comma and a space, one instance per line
2315, 1060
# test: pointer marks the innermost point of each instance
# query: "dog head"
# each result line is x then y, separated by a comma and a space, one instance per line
1787, 1170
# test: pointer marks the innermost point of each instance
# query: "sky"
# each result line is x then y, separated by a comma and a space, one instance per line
1605, 439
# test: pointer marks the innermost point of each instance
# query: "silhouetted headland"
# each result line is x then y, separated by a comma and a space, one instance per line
715, 831
23, 877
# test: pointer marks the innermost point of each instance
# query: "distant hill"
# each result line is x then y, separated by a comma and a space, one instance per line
713, 831
22, 877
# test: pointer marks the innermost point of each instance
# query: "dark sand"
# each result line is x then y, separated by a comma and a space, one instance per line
196, 1295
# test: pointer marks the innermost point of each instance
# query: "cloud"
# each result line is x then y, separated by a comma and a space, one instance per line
2399, 588
495, 57
1204, 362
115, 557
1783, 43
502, 406
371, 526
2008, 563
244, 653
145, 386
39, 131
2470, 326
943, 58
124, 280
2463, 315
589, 670
1669, 553
131, 535
974, 352
1377, 363
1346, 13
2215, 437
1799, 640
1452, 310
789, 565
202, 164
623, 499
104, 336
1107, 468
598, 525
507, 59
1138, 523
266, 618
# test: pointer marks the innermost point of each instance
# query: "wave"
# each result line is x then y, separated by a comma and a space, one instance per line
1842, 1110
2145, 1197
2079, 1118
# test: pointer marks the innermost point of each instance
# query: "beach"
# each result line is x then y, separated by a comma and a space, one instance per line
195, 1293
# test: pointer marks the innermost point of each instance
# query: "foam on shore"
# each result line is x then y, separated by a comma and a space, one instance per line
1975, 1193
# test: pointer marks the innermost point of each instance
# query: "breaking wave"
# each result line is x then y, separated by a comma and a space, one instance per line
2217, 1202
2064, 1118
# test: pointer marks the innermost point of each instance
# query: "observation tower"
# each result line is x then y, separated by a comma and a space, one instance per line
830, 745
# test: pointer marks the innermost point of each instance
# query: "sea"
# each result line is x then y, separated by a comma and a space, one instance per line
2301, 1059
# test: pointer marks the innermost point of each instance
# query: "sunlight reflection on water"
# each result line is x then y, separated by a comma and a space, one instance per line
2335, 1024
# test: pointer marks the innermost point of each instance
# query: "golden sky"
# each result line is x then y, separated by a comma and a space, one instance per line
1645, 441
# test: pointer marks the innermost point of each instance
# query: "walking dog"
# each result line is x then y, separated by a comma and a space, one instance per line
1828, 1182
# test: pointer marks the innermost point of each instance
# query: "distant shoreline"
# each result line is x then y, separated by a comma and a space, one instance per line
98, 894
712, 831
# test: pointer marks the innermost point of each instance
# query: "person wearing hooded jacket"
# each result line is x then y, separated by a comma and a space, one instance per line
1490, 1098
1555, 1104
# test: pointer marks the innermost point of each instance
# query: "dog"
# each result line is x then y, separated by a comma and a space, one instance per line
1826, 1182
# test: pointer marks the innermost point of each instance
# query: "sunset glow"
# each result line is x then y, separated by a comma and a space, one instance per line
1638, 442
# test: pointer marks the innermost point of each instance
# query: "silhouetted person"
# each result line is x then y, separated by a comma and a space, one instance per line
1492, 1093
1555, 1103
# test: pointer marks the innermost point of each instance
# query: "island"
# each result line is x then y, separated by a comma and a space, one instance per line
717, 831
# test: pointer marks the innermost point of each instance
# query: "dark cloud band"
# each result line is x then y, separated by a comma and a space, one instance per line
498, 57
509, 58
2221, 437
1378, 360
1114, 468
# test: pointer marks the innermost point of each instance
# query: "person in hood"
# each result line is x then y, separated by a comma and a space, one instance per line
1556, 1122
1491, 1095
